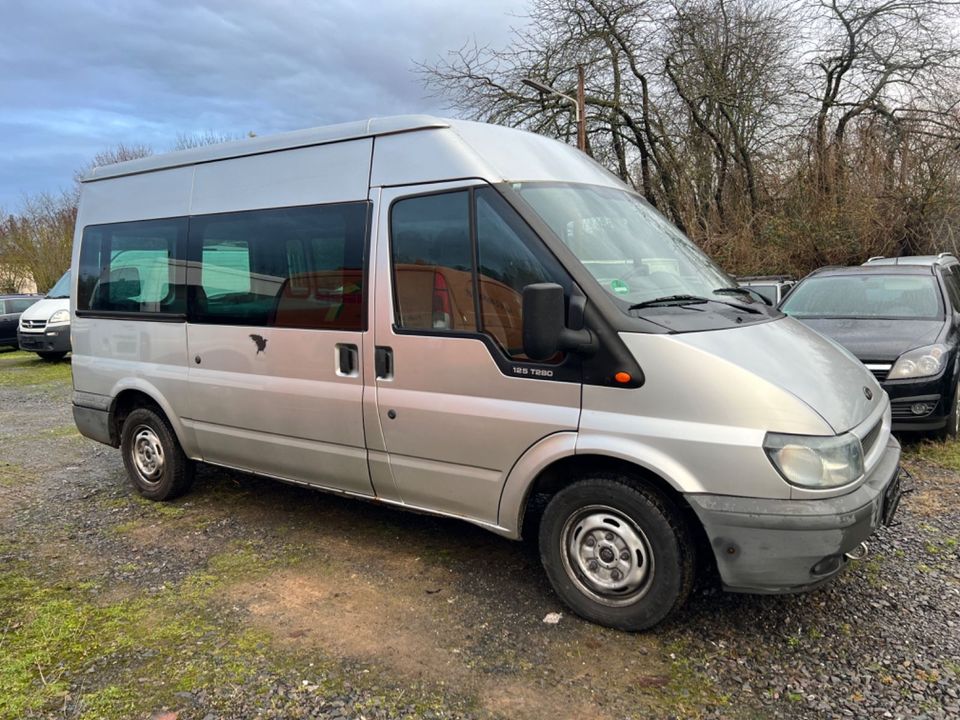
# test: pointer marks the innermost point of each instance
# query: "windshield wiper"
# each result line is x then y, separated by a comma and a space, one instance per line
734, 291
671, 300
684, 300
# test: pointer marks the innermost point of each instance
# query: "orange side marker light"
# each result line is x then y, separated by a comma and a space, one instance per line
622, 377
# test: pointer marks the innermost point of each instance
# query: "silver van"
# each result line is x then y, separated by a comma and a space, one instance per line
476, 322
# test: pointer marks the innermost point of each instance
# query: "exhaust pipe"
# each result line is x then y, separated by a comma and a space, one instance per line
858, 553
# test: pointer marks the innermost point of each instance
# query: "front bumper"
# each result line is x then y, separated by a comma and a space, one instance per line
778, 546
934, 393
51, 339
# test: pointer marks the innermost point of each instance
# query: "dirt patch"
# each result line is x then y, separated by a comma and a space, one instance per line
18, 487
419, 627
936, 490
390, 627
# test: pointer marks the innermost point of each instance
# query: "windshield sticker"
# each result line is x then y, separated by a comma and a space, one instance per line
619, 287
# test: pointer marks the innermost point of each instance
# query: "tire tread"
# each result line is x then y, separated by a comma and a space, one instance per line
180, 468
603, 483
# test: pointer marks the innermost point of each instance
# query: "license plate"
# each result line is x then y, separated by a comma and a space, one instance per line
891, 500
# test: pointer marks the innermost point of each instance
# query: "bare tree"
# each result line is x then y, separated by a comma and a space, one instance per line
39, 238
727, 61
888, 59
117, 154
781, 134
14, 274
186, 141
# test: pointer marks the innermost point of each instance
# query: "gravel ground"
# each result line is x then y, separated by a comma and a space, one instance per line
250, 598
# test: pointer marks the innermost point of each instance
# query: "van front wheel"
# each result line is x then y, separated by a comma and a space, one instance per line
155, 462
617, 553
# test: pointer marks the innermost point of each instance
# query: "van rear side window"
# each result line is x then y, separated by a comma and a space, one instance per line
134, 267
300, 267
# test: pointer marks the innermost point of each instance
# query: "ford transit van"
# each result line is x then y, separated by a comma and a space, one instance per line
482, 323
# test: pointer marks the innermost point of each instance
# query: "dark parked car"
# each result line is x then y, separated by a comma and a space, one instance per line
902, 320
773, 287
11, 306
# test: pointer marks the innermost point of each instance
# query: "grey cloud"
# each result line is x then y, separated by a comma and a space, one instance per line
83, 75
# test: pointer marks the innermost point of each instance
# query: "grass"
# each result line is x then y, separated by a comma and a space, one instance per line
944, 454
65, 651
18, 369
11, 475
52, 637
689, 689
64, 431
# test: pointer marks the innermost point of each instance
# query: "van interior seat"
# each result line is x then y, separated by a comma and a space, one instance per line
120, 292
335, 300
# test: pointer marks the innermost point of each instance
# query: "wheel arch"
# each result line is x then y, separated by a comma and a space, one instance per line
559, 459
130, 396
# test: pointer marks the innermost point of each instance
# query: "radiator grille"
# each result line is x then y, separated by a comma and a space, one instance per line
870, 439
879, 370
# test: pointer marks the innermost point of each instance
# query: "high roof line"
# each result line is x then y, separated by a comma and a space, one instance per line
271, 143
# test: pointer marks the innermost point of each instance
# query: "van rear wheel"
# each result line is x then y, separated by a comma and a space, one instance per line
155, 462
616, 553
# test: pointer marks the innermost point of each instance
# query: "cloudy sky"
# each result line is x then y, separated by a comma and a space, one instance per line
80, 76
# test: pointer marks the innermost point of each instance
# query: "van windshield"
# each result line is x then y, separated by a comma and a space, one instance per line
634, 252
62, 288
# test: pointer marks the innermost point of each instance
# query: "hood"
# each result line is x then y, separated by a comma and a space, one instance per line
873, 340
777, 376
43, 309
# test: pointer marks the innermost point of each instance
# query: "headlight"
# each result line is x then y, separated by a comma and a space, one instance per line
60, 316
921, 362
814, 461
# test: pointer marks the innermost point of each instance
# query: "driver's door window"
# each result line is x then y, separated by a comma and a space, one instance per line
461, 260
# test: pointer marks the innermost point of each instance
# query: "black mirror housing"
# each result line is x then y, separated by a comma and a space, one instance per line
544, 327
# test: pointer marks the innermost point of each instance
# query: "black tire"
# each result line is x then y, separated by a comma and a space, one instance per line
52, 356
651, 546
951, 430
155, 462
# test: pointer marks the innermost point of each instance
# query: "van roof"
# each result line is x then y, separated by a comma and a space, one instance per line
258, 145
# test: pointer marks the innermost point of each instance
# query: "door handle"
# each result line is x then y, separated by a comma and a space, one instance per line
383, 362
348, 360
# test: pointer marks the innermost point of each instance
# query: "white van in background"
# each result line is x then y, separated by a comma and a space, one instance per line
45, 326
477, 322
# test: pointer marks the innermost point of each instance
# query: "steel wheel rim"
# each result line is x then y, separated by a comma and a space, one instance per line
147, 454
607, 556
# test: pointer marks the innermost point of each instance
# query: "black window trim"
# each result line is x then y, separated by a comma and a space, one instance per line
163, 317
184, 317
194, 261
566, 371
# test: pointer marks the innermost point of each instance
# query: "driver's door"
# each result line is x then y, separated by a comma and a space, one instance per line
457, 402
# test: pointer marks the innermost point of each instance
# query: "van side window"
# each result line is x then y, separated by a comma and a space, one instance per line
435, 271
433, 263
297, 267
511, 257
133, 267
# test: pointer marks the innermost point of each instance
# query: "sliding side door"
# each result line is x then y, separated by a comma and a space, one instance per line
277, 311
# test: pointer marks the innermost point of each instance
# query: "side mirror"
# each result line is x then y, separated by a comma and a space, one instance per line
544, 329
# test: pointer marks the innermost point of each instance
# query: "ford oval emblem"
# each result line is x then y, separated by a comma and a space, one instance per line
868, 393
